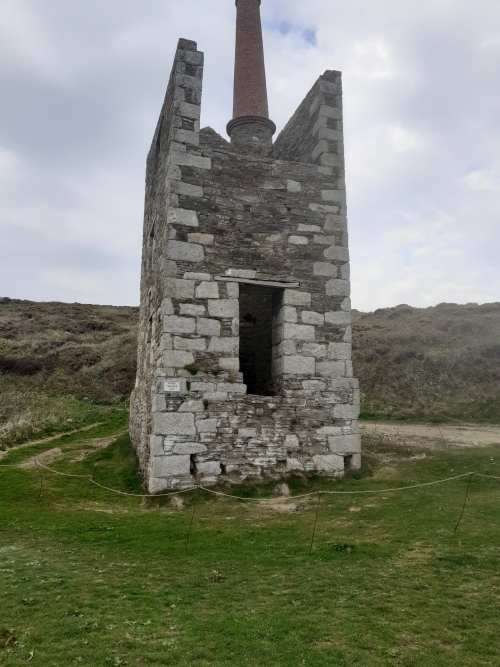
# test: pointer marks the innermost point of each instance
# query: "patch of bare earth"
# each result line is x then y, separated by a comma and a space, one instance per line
433, 436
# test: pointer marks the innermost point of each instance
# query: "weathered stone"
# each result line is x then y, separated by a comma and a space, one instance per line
298, 240
323, 269
337, 253
229, 363
171, 466
186, 189
287, 314
186, 252
204, 239
294, 298
356, 462
293, 186
315, 350
197, 276
191, 406
329, 430
224, 345
299, 365
339, 351
174, 423
310, 317
208, 468
291, 442
179, 325
338, 317
191, 309
314, 385
177, 359
328, 463
294, 464
223, 308
208, 327
179, 289
193, 344
207, 290
206, 426
346, 305
346, 411
336, 287
298, 332
310, 229
190, 448
232, 388
247, 433
190, 160
344, 444
179, 216
331, 368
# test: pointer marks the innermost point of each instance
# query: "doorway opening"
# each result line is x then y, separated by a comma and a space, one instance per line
256, 339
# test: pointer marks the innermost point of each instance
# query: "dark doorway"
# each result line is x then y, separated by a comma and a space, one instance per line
256, 327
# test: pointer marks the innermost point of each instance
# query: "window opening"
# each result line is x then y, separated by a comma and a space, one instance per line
192, 464
150, 330
151, 247
256, 327
348, 462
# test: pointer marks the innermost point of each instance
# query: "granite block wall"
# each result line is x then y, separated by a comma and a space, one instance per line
229, 235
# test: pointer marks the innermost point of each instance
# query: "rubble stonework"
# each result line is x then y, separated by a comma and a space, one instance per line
245, 273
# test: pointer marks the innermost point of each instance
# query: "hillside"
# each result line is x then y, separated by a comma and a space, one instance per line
62, 366
418, 362
67, 365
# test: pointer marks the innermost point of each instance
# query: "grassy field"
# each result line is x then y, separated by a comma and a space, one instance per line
388, 583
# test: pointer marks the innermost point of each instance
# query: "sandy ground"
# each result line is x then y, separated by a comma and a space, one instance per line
431, 435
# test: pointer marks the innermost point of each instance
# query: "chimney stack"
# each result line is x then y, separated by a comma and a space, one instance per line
251, 130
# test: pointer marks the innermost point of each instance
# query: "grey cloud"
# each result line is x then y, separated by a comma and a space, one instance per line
82, 85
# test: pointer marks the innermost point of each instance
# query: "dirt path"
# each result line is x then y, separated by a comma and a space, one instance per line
432, 435
54, 437
83, 449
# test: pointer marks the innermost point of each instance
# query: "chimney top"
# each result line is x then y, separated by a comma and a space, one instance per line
250, 129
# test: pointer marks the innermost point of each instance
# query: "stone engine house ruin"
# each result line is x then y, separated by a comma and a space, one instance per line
244, 362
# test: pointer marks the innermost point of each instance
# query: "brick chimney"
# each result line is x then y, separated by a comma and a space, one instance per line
251, 130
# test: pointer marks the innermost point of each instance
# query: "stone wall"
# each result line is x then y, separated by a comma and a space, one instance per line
221, 227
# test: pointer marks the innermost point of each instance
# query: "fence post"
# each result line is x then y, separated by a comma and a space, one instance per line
315, 523
192, 515
465, 502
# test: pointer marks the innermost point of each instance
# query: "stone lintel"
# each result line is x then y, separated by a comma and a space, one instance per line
271, 284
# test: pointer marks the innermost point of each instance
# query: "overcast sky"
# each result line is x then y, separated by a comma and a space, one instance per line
82, 83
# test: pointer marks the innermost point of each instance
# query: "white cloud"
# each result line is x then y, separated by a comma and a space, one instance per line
480, 180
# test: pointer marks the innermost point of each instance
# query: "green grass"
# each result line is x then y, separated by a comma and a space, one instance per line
27, 414
389, 584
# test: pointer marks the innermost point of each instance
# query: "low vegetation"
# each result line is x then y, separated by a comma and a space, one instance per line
423, 363
62, 366
107, 580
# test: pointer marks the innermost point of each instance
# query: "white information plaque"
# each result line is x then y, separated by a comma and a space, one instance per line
172, 385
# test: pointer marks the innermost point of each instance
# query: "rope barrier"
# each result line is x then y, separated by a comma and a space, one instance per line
339, 493
259, 500
459, 421
144, 495
65, 474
